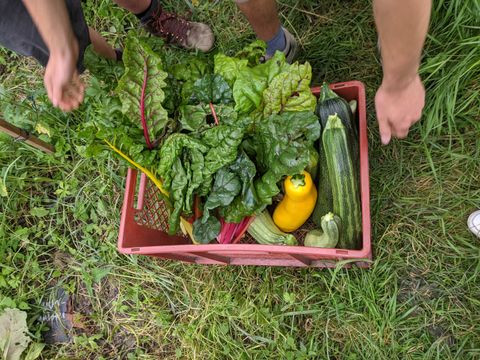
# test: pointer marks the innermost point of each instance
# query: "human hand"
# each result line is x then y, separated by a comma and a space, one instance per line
398, 108
63, 84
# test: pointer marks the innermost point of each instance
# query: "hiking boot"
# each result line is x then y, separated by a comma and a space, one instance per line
174, 29
290, 51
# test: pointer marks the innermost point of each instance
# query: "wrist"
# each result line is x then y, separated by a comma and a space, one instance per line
65, 49
398, 81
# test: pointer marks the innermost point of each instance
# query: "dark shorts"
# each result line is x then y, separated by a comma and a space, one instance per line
19, 33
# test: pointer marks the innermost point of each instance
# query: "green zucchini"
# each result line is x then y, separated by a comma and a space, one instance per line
330, 103
344, 181
324, 189
328, 236
264, 231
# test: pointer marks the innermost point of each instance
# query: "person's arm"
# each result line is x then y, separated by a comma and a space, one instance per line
402, 27
63, 85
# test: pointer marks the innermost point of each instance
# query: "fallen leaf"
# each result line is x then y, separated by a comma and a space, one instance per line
13, 338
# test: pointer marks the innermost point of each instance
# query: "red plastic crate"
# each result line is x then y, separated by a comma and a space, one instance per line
143, 225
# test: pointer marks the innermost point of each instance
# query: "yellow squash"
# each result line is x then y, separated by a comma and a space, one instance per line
298, 203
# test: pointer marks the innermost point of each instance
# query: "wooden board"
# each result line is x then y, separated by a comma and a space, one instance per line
22, 135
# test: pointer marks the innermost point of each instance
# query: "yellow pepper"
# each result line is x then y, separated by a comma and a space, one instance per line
298, 203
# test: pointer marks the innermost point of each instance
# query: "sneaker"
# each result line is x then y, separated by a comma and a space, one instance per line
473, 223
290, 51
174, 29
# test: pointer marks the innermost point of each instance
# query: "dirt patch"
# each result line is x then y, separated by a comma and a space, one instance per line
439, 332
419, 292
416, 289
121, 340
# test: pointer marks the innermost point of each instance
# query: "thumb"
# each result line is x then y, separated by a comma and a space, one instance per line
385, 131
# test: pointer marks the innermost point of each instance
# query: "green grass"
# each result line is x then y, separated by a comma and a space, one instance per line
419, 300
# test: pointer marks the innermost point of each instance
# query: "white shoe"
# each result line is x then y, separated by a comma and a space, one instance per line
473, 223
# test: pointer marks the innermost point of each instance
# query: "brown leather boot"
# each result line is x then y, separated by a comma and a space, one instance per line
174, 29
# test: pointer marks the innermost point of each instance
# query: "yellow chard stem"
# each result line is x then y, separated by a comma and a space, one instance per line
186, 227
150, 175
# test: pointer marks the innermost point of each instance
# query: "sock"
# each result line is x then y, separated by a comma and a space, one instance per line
278, 42
148, 11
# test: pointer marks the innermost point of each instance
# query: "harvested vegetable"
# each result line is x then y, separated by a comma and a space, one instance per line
141, 90
343, 178
329, 104
324, 198
226, 138
328, 236
148, 173
297, 204
264, 231
283, 146
290, 91
187, 167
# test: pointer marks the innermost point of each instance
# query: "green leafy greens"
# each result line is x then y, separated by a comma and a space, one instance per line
141, 88
266, 129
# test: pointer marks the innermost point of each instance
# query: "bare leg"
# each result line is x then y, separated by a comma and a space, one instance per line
262, 15
133, 6
100, 45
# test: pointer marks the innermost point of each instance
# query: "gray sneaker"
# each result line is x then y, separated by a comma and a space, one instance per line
473, 223
290, 51
174, 29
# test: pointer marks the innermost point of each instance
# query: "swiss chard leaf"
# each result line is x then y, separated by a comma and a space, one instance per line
283, 144
209, 89
14, 337
247, 202
229, 67
290, 91
251, 82
199, 160
225, 187
206, 231
182, 171
190, 70
222, 142
140, 88
196, 164
172, 149
252, 52
192, 117
248, 90
198, 118
226, 114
